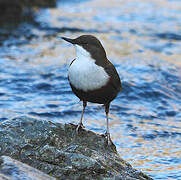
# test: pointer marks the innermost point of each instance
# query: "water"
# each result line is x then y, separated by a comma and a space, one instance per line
142, 39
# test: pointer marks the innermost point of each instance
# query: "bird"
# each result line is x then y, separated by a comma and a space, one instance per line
92, 77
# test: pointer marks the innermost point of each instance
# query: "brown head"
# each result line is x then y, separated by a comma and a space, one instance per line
91, 44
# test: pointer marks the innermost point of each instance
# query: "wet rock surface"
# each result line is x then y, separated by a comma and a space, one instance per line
11, 169
55, 150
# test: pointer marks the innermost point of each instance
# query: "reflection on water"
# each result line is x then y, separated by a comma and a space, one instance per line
145, 118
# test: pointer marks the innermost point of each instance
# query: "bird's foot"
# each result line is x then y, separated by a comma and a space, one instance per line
79, 126
108, 138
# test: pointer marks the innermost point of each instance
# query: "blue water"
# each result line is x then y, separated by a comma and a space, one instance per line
145, 118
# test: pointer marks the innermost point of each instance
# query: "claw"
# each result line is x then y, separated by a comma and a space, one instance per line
79, 126
108, 138
109, 141
104, 134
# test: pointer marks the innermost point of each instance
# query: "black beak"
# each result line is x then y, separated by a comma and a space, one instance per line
72, 41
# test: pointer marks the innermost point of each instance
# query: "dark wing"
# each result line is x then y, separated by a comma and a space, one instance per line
70, 65
72, 62
115, 80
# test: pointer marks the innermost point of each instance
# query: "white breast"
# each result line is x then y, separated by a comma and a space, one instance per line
84, 74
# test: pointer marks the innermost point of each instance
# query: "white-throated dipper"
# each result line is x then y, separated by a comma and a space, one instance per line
92, 77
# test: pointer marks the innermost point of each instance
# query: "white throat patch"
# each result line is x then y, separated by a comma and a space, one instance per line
84, 74
80, 51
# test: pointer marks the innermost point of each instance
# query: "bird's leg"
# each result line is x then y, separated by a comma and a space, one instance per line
80, 125
107, 134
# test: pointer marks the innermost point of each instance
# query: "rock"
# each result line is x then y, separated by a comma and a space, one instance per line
13, 11
10, 11
11, 169
38, 3
57, 151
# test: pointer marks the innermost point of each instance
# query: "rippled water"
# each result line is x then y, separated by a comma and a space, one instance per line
142, 39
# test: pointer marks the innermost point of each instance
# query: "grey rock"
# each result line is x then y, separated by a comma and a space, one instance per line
56, 150
11, 169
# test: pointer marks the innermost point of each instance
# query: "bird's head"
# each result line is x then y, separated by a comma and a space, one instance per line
87, 45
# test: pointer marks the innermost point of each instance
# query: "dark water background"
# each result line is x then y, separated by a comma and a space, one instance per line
142, 39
